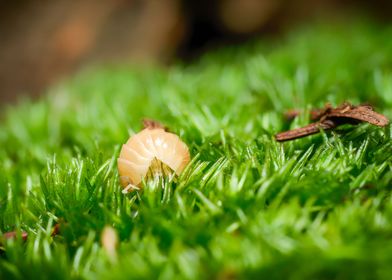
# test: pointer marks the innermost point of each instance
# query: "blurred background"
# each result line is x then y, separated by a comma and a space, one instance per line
43, 41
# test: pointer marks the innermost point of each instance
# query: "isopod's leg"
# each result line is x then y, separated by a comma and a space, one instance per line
130, 187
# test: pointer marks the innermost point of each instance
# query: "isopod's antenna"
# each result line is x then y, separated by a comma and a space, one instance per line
153, 124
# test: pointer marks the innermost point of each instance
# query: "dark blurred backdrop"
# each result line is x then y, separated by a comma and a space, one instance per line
42, 41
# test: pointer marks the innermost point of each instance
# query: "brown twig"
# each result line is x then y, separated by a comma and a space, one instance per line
315, 114
310, 129
329, 118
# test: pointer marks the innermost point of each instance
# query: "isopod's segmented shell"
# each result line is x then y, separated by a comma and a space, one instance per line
151, 149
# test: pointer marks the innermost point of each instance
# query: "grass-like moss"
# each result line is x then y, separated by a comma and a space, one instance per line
246, 206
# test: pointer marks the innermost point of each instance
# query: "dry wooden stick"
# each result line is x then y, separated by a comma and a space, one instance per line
310, 129
329, 118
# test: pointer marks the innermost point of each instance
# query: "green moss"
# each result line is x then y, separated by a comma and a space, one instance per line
314, 208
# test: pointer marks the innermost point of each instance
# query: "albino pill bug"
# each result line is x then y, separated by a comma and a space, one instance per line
151, 152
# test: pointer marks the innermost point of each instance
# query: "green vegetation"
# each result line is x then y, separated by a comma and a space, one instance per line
314, 208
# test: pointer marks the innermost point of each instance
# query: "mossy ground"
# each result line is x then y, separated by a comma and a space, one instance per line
247, 206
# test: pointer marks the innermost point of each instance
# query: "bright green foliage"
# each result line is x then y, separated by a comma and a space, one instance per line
246, 206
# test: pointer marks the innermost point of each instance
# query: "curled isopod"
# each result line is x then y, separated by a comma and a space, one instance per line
150, 153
